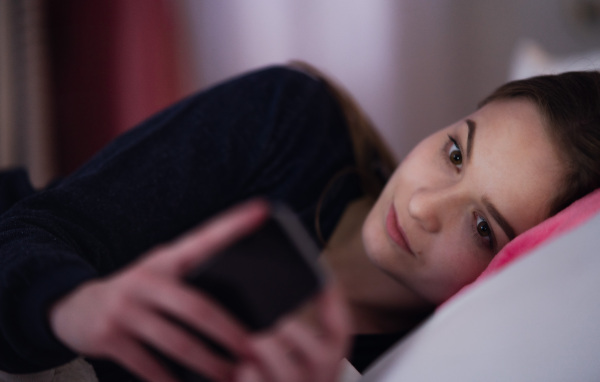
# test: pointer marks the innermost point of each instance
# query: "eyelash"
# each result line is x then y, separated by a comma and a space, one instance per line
448, 149
483, 241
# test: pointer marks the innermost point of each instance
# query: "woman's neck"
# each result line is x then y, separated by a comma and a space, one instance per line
377, 302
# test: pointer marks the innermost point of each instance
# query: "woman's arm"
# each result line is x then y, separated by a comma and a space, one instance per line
275, 133
119, 316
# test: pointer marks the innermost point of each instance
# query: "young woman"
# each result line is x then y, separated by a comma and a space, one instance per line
74, 279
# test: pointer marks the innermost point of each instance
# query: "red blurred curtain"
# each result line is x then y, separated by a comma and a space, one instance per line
113, 63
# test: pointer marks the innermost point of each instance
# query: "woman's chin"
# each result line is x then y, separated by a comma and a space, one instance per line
373, 237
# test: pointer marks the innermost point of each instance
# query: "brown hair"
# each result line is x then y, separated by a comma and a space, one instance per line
570, 104
375, 162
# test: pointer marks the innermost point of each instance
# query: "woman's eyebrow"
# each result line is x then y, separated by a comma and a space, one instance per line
502, 222
496, 215
471, 126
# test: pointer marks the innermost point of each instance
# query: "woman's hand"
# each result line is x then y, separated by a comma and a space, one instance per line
297, 349
116, 317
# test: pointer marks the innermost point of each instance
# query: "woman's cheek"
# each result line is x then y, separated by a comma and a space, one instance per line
449, 271
465, 267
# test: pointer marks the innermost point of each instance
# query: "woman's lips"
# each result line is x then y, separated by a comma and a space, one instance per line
395, 231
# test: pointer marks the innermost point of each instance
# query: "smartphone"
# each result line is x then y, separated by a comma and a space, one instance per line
259, 278
265, 274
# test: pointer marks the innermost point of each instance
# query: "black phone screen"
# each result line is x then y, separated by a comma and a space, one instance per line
266, 274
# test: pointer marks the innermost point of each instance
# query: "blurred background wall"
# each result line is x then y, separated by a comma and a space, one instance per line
91, 70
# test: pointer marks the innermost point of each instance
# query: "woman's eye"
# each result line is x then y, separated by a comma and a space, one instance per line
454, 154
483, 229
483, 233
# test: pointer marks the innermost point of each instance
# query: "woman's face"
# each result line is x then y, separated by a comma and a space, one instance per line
460, 196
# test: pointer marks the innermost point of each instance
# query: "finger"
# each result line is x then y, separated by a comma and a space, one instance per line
315, 356
314, 349
139, 361
178, 344
333, 317
273, 358
187, 252
198, 311
248, 373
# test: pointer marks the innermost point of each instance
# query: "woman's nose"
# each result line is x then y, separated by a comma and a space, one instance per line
431, 207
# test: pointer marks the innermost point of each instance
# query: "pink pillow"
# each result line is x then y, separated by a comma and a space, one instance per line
569, 218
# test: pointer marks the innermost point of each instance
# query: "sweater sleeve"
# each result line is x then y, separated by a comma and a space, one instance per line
275, 133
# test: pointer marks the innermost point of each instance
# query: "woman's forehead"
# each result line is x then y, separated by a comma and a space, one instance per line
515, 161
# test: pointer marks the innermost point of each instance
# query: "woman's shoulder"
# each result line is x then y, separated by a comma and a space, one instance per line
14, 186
